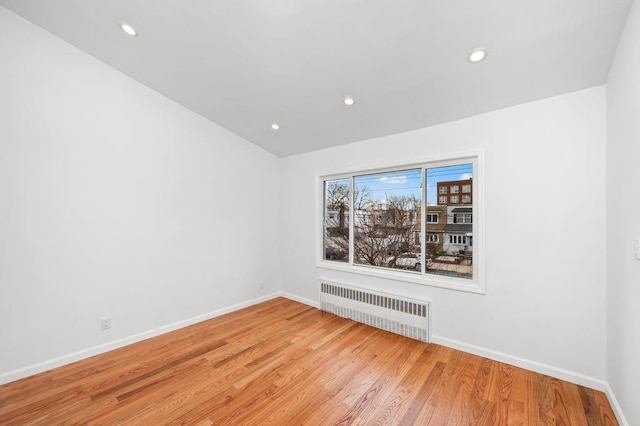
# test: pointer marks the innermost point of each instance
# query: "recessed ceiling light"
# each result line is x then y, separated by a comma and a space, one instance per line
348, 101
275, 126
477, 55
128, 29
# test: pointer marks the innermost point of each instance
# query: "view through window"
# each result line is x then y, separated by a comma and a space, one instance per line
450, 251
387, 227
336, 220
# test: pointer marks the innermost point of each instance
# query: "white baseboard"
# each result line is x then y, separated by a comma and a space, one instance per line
616, 406
304, 300
558, 373
96, 350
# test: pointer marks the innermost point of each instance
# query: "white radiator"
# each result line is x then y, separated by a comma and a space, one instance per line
400, 315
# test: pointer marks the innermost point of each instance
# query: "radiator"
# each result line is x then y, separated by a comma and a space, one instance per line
400, 315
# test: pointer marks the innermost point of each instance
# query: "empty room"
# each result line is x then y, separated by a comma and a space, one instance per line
319, 212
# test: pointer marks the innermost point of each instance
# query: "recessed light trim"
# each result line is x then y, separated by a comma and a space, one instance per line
348, 101
128, 29
275, 126
477, 55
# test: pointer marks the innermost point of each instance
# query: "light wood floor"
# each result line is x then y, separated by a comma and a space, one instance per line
284, 363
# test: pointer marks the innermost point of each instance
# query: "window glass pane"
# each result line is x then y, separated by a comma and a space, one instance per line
387, 219
336, 220
452, 253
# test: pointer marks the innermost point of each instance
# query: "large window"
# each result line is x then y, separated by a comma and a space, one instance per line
377, 221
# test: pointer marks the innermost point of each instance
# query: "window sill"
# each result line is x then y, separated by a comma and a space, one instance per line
450, 283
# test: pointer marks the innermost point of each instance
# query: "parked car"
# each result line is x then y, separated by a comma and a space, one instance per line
408, 261
331, 253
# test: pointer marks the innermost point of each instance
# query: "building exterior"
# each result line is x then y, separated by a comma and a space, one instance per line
436, 221
455, 192
458, 232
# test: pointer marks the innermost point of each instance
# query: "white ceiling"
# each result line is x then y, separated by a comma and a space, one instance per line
245, 64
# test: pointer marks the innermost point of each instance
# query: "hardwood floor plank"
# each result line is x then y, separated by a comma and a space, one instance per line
462, 402
513, 407
167, 365
571, 395
437, 409
403, 396
329, 364
540, 397
285, 376
359, 389
590, 405
386, 385
559, 398
482, 410
280, 363
423, 394
607, 417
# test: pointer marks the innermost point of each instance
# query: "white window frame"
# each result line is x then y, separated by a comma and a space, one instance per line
434, 237
474, 285
437, 216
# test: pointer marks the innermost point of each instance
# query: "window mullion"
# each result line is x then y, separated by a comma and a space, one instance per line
423, 221
352, 220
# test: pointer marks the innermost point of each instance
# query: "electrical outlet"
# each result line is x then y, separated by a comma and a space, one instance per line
105, 323
261, 285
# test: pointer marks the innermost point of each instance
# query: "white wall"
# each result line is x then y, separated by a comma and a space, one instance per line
623, 219
115, 201
545, 191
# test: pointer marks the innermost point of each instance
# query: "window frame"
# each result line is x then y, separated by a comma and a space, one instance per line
474, 285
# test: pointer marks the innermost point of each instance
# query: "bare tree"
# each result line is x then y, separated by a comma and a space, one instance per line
381, 228
384, 229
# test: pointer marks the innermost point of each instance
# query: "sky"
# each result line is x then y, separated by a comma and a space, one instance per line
408, 182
